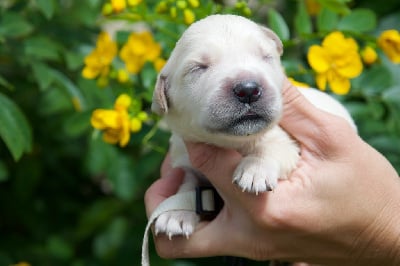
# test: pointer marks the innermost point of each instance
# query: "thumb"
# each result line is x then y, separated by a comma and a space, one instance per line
300, 118
312, 127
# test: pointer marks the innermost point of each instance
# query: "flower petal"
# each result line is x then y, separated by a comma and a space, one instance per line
338, 84
318, 58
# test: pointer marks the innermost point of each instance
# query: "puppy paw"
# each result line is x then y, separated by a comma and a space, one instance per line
176, 223
256, 175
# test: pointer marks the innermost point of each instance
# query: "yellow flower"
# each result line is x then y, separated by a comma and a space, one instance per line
115, 124
298, 83
335, 62
181, 4
118, 5
188, 16
139, 49
194, 3
389, 42
99, 60
136, 124
107, 9
134, 2
142, 116
173, 12
162, 7
369, 55
123, 102
159, 64
122, 75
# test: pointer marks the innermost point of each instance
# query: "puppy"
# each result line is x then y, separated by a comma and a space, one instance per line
222, 86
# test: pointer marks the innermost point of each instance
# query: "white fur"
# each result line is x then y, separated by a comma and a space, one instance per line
194, 94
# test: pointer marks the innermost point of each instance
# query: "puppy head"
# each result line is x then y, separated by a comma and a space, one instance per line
224, 77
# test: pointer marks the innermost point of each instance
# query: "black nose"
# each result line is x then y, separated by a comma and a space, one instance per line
247, 91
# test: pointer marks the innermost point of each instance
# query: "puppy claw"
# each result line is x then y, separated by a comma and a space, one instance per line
176, 223
256, 175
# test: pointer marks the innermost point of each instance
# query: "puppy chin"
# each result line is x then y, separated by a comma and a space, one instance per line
242, 126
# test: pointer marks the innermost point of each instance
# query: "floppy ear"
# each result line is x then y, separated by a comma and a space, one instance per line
272, 35
160, 102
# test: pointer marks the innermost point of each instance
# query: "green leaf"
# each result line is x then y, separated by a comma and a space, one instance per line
302, 19
14, 25
337, 6
77, 124
4, 174
73, 60
97, 215
42, 47
392, 95
14, 130
327, 20
374, 80
73, 91
59, 247
42, 74
278, 25
109, 240
5, 83
123, 178
46, 7
359, 20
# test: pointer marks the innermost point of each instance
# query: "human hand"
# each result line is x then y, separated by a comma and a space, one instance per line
340, 206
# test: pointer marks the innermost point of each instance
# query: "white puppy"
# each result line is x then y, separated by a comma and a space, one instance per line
222, 85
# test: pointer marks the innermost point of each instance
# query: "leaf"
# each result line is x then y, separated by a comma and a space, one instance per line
42, 47
73, 91
46, 7
123, 178
4, 174
373, 81
59, 247
337, 6
327, 20
302, 19
77, 124
109, 240
14, 128
5, 83
14, 25
359, 20
392, 95
278, 25
42, 73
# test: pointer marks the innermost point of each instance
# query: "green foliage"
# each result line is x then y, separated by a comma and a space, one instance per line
69, 198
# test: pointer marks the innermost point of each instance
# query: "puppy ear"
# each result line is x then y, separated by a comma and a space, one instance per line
160, 102
272, 35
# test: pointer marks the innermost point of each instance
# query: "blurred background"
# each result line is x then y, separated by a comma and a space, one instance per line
78, 144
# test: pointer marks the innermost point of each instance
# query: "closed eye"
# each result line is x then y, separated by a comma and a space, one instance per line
268, 58
196, 67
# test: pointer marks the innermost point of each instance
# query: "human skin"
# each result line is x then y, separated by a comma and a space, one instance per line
340, 206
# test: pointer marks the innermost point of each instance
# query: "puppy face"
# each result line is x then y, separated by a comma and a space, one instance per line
223, 78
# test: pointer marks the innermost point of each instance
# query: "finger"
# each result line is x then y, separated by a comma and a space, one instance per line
217, 164
300, 118
209, 240
162, 189
166, 165
313, 128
